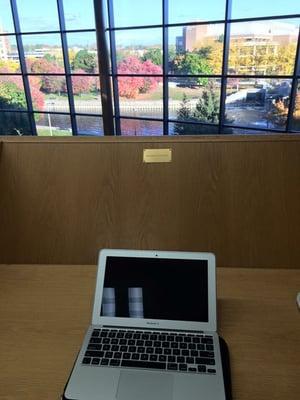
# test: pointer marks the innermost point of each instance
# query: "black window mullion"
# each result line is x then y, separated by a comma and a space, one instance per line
23, 66
113, 55
165, 5
294, 87
103, 62
225, 64
67, 65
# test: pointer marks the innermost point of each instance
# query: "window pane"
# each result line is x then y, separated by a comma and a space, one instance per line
137, 12
139, 51
79, 14
296, 113
180, 128
83, 52
259, 103
43, 53
14, 123
53, 125
38, 16
9, 56
12, 96
194, 99
141, 96
196, 49
6, 20
87, 98
263, 47
244, 131
136, 127
49, 93
258, 8
196, 11
89, 125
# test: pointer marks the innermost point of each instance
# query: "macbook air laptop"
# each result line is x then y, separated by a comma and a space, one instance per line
153, 331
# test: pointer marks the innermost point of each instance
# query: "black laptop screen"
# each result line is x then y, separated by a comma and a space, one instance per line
170, 289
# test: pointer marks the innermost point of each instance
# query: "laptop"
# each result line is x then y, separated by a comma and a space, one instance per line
153, 332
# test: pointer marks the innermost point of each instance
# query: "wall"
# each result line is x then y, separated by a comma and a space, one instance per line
62, 199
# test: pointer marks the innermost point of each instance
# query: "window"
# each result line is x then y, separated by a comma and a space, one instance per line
175, 68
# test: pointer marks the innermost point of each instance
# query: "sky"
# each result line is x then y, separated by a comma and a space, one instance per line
37, 15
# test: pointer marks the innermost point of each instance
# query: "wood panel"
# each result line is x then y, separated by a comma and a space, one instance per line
46, 310
62, 200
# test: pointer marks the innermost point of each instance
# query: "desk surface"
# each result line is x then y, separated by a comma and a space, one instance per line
45, 311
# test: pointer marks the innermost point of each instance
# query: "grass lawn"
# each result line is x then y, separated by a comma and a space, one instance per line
175, 93
55, 132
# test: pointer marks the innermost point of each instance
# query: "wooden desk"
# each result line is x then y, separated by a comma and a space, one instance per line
45, 310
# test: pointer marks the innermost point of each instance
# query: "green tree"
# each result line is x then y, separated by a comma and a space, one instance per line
207, 110
154, 55
86, 61
192, 63
13, 98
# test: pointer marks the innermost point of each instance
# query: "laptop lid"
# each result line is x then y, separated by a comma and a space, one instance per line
156, 289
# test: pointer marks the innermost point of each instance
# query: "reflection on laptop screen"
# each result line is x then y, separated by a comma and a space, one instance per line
170, 289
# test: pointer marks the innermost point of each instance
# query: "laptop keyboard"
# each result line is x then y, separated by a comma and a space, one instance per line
172, 351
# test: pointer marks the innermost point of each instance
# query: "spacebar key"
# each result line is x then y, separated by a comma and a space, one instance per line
143, 364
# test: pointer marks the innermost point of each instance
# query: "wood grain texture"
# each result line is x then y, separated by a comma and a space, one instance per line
45, 311
63, 200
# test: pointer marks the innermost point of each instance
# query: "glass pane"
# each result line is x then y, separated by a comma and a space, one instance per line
137, 12
53, 125
180, 128
258, 8
83, 52
12, 96
6, 20
9, 56
263, 47
87, 98
196, 11
49, 93
38, 16
245, 131
194, 99
79, 14
14, 123
136, 127
141, 96
89, 125
296, 113
259, 103
196, 49
139, 51
43, 53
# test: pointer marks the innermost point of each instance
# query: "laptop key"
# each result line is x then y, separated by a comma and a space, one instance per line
94, 347
86, 360
153, 357
205, 361
162, 358
158, 350
209, 347
95, 340
207, 340
108, 354
135, 356
143, 364
211, 371
95, 333
94, 353
95, 361
207, 354
115, 363
172, 366
192, 369
182, 367
104, 361
126, 356
201, 368
144, 357
117, 355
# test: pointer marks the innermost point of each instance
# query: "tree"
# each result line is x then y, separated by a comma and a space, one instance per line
192, 63
81, 84
85, 61
154, 55
207, 110
130, 87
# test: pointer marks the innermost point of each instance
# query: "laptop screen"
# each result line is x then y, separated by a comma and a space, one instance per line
156, 288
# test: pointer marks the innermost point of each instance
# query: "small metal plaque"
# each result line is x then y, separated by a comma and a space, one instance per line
157, 155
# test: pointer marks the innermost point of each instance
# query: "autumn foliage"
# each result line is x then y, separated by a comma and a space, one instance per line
131, 87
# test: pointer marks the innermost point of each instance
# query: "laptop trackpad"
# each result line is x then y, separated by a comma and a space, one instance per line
137, 385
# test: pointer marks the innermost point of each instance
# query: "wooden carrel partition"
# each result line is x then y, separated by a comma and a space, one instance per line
62, 199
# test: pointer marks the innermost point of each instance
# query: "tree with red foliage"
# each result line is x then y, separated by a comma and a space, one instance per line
81, 83
130, 87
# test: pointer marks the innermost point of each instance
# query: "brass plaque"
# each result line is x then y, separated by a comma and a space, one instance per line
157, 155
